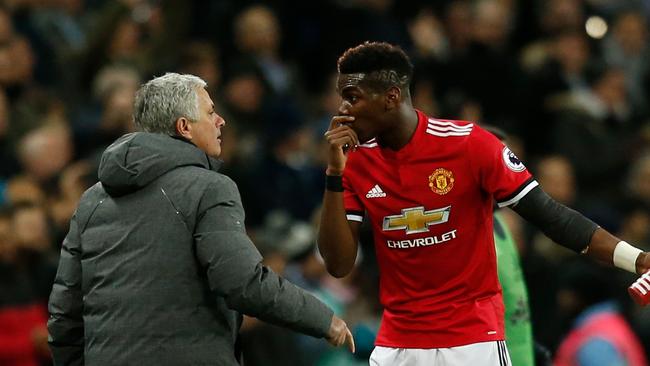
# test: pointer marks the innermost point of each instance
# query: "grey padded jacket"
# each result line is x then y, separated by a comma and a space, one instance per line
157, 268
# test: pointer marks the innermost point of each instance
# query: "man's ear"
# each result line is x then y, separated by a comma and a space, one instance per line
184, 128
393, 97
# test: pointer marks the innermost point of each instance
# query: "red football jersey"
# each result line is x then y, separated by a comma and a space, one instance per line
430, 205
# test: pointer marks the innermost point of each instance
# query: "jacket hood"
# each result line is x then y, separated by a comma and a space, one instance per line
136, 159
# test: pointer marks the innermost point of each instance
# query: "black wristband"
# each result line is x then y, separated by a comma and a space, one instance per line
334, 183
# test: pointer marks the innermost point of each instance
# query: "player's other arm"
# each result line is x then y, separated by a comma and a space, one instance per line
337, 240
571, 229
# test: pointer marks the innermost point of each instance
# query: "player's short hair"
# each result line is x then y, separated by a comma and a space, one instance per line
163, 100
370, 57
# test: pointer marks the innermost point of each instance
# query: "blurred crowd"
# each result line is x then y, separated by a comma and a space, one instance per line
568, 80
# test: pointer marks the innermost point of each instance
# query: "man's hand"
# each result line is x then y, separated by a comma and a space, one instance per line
642, 263
340, 334
340, 137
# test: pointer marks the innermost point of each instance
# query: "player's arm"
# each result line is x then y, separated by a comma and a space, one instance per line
571, 229
337, 239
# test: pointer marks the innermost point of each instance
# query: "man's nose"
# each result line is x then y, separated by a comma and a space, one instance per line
344, 108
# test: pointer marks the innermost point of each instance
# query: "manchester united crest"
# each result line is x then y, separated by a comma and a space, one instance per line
441, 181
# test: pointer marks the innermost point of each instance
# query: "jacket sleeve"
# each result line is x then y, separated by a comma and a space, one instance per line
235, 271
65, 325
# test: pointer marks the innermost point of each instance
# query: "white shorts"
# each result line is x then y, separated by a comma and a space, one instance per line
492, 353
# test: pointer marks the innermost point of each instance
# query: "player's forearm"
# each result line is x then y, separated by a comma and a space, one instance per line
603, 245
335, 240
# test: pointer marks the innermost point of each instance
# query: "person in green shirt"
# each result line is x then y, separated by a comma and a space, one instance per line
519, 334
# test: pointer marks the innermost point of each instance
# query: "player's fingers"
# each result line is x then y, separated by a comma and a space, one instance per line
339, 121
343, 133
339, 130
356, 138
341, 140
350, 132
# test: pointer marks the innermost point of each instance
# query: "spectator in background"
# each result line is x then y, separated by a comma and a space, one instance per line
458, 26
638, 179
44, 152
71, 184
554, 66
22, 188
287, 169
627, 49
600, 334
137, 33
26, 274
555, 174
594, 129
556, 16
486, 63
200, 58
244, 99
8, 163
110, 115
258, 37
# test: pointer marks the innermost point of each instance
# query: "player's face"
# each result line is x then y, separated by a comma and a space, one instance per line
206, 131
364, 105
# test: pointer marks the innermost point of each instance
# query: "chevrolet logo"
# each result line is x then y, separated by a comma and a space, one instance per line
416, 220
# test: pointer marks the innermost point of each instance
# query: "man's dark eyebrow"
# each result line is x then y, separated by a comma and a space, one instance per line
349, 89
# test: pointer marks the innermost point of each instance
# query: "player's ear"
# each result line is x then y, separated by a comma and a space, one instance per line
184, 128
393, 97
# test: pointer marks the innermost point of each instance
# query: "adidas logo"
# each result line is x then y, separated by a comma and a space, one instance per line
375, 192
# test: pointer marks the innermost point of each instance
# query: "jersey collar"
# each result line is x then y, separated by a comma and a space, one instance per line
411, 147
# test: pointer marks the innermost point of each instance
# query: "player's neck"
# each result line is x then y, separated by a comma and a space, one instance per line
404, 126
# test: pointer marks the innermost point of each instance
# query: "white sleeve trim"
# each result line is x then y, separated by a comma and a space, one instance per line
520, 195
352, 217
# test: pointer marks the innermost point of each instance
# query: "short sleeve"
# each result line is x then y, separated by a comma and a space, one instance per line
498, 170
353, 206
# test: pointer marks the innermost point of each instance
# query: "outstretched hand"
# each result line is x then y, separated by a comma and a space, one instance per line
339, 334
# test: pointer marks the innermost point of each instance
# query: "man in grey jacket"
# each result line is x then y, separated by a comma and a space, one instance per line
157, 268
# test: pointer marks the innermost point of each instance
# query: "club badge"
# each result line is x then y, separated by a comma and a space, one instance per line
441, 181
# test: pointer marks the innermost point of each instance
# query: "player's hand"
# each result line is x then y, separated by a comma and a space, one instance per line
642, 263
340, 137
339, 334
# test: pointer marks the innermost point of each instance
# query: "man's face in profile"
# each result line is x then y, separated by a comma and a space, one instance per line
206, 131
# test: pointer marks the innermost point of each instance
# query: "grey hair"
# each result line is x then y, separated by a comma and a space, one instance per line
163, 100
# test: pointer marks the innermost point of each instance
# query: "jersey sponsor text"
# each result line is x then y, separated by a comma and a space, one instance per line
421, 242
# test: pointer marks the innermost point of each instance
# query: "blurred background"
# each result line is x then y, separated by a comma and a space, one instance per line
567, 80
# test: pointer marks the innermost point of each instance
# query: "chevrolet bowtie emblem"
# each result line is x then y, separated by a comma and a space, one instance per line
416, 220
